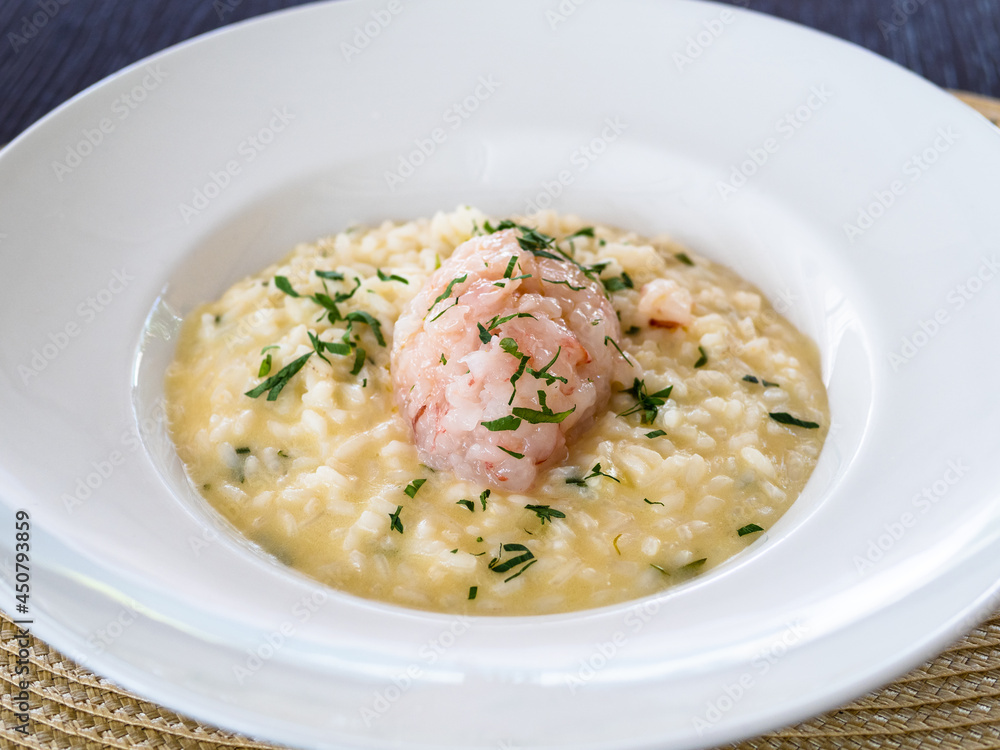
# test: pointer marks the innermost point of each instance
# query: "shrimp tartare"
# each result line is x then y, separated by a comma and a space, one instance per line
502, 357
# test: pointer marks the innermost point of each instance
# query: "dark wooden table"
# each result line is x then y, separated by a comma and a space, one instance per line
51, 49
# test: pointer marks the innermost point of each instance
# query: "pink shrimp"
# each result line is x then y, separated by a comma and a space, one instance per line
665, 303
501, 358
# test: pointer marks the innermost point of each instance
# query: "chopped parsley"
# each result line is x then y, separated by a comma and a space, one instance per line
545, 512
285, 285
786, 418
703, 359
564, 283
473, 590
647, 404
444, 311
265, 367
503, 424
394, 523
585, 232
750, 528
624, 356
484, 335
468, 504
330, 275
655, 434
359, 360
359, 316
447, 291
531, 416
544, 373
383, 277
595, 472
510, 347
510, 267
498, 320
334, 347
652, 502
761, 381
517, 376
483, 497
444, 361
545, 416
525, 558
511, 453
414, 486
617, 283
683, 258
692, 566
274, 384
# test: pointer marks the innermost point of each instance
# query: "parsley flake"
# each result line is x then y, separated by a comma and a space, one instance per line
647, 404
414, 486
545, 512
274, 384
503, 424
786, 418
750, 528
595, 472
703, 359
330, 275
394, 523
285, 285
383, 277
447, 291
624, 356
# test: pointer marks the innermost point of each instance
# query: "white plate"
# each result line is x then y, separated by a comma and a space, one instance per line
892, 550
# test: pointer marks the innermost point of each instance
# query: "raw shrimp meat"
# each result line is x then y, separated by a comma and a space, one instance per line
502, 357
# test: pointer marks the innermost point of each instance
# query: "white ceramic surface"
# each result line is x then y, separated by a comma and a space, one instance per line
634, 113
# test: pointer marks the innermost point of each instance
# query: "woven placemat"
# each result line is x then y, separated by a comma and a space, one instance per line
952, 701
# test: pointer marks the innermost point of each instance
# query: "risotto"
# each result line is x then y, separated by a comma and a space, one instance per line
467, 415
